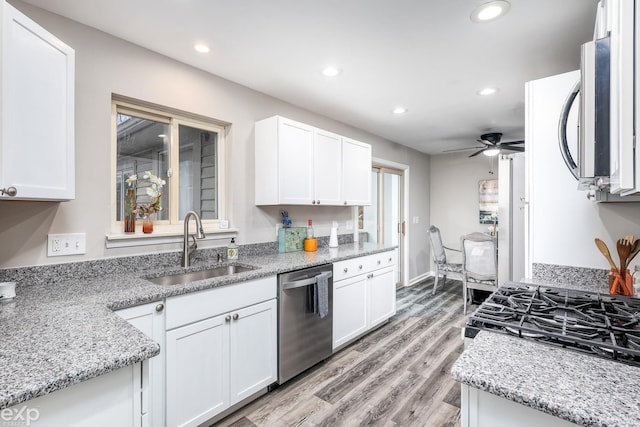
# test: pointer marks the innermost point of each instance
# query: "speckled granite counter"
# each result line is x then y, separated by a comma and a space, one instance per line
580, 388
59, 333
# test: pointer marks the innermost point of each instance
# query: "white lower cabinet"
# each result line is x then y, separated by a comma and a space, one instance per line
363, 295
104, 401
482, 409
149, 375
221, 348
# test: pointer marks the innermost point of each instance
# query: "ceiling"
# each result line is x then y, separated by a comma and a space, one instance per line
425, 55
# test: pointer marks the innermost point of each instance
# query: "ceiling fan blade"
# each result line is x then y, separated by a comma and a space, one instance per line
461, 149
477, 152
520, 149
512, 142
485, 142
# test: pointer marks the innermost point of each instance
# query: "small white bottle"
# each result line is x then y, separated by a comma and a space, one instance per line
232, 250
309, 230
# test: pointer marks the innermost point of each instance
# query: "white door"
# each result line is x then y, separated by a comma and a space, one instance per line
37, 112
356, 164
349, 309
197, 371
253, 349
327, 168
295, 163
383, 221
381, 295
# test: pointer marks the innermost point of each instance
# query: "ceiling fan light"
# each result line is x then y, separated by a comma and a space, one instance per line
490, 11
491, 152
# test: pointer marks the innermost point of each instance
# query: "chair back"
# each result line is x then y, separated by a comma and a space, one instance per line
437, 248
479, 256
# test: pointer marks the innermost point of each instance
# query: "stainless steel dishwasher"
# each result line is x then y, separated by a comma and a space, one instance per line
304, 338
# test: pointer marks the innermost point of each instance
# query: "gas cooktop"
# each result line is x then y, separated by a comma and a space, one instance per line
600, 324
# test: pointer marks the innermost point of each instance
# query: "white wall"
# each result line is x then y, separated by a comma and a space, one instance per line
454, 194
563, 222
106, 65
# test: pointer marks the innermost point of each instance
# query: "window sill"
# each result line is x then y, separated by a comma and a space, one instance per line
163, 235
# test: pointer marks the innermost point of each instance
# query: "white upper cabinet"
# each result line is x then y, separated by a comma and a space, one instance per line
297, 164
356, 173
37, 111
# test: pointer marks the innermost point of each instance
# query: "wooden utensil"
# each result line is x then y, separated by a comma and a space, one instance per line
605, 251
624, 250
635, 248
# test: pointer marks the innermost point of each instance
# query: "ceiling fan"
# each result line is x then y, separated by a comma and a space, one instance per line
492, 145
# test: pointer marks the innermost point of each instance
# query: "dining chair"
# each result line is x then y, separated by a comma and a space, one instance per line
439, 256
479, 263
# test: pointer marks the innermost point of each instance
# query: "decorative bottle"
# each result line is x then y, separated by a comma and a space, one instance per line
232, 250
309, 230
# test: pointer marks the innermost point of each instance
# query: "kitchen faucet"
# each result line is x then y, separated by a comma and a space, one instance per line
186, 248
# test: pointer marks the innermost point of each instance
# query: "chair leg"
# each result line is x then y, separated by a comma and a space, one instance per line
435, 282
464, 295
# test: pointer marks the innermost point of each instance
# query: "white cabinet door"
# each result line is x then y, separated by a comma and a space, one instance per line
149, 319
37, 112
349, 309
356, 173
197, 374
104, 401
253, 349
295, 152
327, 172
381, 294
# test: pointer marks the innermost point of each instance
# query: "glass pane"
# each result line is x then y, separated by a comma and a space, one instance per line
369, 216
392, 208
142, 147
198, 172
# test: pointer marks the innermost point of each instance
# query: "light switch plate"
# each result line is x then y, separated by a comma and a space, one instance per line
66, 244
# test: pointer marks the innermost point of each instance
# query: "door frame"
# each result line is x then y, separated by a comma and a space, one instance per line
404, 250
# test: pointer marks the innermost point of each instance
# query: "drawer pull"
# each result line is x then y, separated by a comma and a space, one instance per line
227, 318
379, 262
159, 307
346, 269
236, 316
360, 267
390, 259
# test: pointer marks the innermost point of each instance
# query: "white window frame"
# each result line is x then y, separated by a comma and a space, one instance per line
174, 226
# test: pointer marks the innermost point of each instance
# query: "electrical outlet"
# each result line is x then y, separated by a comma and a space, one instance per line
66, 244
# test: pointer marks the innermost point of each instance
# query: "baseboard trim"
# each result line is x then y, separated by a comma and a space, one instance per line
420, 278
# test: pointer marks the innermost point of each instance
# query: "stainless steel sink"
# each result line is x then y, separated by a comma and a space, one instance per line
183, 278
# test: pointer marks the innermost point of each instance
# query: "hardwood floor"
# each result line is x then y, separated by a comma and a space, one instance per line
397, 375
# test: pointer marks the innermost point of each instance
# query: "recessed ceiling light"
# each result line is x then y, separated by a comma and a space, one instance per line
487, 91
331, 71
491, 152
490, 11
162, 135
201, 47
399, 110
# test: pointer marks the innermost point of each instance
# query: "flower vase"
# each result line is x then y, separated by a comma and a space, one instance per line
130, 211
147, 225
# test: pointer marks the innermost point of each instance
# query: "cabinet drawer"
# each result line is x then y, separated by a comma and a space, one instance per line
189, 308
350, 268
382, 260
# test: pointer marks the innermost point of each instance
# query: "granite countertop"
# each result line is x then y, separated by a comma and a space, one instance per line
62, 333
580, 388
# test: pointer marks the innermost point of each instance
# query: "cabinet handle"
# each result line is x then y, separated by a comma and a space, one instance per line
390, 259
345, 203
227, 318
9, 191
313, 202
360, 267
379, 262
159, 307
370, 276
318, 201
346, 269
236, 316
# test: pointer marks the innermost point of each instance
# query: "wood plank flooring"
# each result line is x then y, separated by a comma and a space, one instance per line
397, 375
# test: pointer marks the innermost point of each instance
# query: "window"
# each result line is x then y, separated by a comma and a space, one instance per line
186, 152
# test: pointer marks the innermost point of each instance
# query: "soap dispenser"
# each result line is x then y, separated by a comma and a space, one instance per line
232, 250
333, 237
